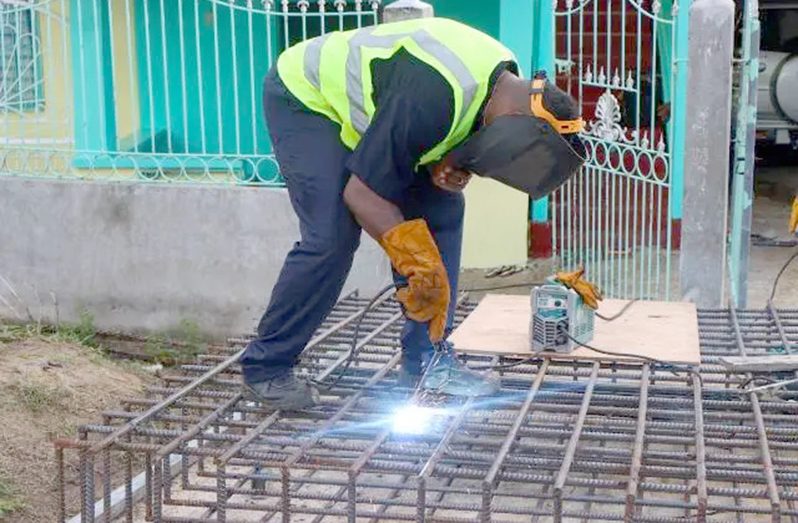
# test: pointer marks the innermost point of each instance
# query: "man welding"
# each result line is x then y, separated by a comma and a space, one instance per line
380, 129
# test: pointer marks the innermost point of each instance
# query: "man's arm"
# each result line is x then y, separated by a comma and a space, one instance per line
373, 212
413, 254
377, 215
382, 167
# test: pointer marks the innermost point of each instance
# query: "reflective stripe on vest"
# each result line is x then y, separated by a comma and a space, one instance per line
330, 74
313, 60
354, 67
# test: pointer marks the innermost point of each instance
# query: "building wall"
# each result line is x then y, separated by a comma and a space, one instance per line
52, 127
495, 225
126, 59
144, 257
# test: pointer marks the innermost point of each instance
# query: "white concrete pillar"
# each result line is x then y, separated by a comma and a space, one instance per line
702, 264
406, 10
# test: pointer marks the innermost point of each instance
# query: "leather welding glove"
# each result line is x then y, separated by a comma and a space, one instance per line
574, 280
415, 256
794, 217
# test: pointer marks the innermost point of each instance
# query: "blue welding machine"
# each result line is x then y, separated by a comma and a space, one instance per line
560, 319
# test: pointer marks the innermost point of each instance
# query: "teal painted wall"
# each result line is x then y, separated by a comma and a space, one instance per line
206, 91
92, 82
165, 91
481, 15
215, 71
514, 23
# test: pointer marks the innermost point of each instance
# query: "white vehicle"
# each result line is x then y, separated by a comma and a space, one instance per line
777, 97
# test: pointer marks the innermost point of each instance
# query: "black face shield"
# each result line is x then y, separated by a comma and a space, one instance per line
534, 154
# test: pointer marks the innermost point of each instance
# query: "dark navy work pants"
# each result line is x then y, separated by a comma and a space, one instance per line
312, 160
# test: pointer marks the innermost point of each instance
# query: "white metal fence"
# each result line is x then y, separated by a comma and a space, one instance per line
616, 217
161, 90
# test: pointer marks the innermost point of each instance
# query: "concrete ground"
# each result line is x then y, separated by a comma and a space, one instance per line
775, 189
770, 221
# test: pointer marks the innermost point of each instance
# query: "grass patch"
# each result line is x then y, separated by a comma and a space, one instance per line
9, 502
180, 346
82, 333
14, 332
39, 397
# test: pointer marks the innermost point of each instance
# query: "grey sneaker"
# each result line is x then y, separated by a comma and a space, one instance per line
448, 376
285, 392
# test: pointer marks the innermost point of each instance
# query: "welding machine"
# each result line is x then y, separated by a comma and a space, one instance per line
560, 319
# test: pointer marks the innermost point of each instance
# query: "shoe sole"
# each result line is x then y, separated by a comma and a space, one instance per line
303, 402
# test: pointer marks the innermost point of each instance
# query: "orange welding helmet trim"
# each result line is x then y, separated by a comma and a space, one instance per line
536, 104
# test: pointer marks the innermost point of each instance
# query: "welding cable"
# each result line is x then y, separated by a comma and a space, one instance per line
504, 366
754, 379
540, 355
353, 350
781, 272
355, 336
619, 313
674, 369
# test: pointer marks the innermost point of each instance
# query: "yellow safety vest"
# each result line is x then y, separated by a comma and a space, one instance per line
331, 74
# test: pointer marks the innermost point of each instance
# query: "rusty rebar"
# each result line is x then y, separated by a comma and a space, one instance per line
582, 440
637, 451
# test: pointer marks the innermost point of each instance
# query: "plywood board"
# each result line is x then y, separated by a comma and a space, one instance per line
666, 331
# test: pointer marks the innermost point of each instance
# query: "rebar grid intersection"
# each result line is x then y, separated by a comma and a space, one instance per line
564, 441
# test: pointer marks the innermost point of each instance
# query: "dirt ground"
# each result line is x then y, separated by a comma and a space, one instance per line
47, 389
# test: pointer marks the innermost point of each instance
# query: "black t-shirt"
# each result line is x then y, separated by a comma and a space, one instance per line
414, 110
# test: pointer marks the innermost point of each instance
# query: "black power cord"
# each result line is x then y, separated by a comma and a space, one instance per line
674, 369
355, 336
619, 313
504, 366
781, 272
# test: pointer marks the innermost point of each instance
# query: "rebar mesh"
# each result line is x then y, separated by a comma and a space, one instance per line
564, 441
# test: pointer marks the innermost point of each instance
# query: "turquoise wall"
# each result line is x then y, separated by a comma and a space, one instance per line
481, 15
92, 78
516, 23
164, 91
215, 71
171, 99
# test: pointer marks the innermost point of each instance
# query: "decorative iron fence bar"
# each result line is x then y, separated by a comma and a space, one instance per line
743, 166
153, 90
620, 59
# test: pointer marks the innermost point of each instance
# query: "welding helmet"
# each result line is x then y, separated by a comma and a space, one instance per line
534, 154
